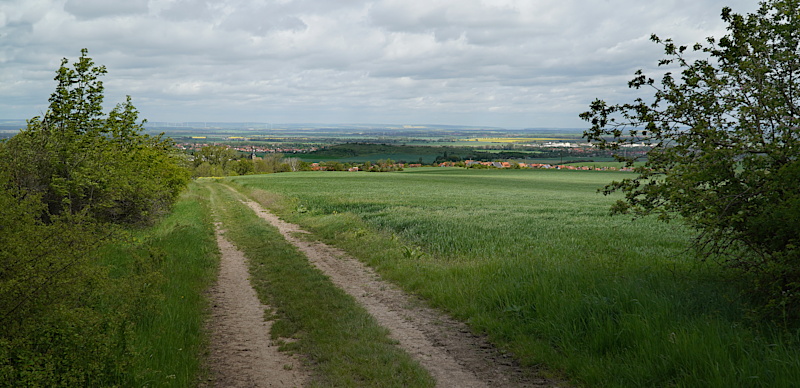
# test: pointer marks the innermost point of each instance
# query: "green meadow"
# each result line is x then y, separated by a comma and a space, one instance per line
532, 259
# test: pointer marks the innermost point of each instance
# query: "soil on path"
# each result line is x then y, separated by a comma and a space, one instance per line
445, 347
241, 353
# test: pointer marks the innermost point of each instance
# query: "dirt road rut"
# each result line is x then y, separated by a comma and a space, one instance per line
241, 353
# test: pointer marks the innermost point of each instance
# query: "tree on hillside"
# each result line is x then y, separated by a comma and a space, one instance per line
295, 164
724, 139
242, 166
215, 155
213, 160
270, 163
76, 159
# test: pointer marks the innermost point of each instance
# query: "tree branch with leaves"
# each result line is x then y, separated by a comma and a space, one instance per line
723, 127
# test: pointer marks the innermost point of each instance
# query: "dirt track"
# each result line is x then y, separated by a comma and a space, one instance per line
242, 354
445, 347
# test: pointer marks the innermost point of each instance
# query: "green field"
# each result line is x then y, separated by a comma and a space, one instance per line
532, 259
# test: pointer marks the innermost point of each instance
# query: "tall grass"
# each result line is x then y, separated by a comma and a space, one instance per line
532, 258
161, 275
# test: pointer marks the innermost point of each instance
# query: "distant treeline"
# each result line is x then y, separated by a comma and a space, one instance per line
438, 154
340, 151
223, 160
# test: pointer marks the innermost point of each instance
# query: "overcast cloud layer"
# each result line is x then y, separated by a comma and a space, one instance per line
505, 63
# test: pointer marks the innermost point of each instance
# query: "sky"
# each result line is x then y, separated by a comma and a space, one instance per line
495, 63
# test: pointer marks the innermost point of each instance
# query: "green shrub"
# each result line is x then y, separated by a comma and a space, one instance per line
69, 183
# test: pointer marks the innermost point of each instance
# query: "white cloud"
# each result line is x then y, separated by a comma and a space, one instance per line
90, 9
485, 62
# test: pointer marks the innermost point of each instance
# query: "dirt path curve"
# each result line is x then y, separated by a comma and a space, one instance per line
445, 347
242, 354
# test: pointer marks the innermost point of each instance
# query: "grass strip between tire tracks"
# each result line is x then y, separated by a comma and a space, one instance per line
343, 344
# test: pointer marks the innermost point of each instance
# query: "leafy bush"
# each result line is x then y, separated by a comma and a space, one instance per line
46, 282
69, 182
79, 162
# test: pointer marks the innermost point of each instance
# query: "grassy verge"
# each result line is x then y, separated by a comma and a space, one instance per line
127, 313
160, 277
342, 342
532, 259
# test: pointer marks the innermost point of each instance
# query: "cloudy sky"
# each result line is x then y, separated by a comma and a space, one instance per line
503, 63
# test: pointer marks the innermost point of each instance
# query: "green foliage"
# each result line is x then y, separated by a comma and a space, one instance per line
334, 166
79, 162
126, 314
53, 333
220, 160
243, 167
39, 261
410, 153
215, 155
349, 150
724, 136
270, 163
205, 169
69, 183
385, 165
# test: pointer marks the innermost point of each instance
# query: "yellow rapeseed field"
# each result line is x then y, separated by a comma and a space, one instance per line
510, 139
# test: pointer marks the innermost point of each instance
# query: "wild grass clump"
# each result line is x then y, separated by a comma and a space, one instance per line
532, 259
